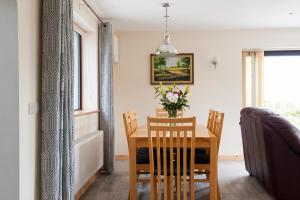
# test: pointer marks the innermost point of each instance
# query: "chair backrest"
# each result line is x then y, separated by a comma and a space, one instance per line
161, 113
171, 136
211, 119
130, 123
133, 120
218, 126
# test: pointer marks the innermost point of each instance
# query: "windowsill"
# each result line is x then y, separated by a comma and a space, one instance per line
79, 113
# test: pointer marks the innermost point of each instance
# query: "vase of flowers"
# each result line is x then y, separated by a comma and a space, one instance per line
172, 98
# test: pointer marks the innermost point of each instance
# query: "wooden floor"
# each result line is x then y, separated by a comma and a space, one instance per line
235, 183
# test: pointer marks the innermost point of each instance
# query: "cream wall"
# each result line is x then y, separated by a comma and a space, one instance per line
29, 68
9, 103
219, 88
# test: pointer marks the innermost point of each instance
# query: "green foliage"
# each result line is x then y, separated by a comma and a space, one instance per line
287, 110
168, 105
159, 62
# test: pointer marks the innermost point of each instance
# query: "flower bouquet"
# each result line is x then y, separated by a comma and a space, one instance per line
172, 98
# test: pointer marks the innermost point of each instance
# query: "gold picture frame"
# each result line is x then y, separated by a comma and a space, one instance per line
178, 69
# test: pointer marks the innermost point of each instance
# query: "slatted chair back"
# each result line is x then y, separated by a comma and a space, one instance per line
130, 123
218, 126
133, 120
161, 113
174, 138
211, 119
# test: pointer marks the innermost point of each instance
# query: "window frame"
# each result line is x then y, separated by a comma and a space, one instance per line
282, 53
79, 32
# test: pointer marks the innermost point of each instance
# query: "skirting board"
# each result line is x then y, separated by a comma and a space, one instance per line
221, 157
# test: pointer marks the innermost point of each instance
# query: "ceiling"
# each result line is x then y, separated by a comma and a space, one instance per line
147, 15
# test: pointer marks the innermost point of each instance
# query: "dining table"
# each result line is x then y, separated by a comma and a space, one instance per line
204, 138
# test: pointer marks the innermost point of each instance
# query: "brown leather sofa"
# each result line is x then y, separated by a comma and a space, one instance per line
272, 152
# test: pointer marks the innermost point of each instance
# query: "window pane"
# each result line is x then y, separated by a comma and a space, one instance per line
281, 86
77, 71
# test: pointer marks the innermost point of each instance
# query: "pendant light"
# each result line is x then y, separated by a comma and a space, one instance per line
166, 48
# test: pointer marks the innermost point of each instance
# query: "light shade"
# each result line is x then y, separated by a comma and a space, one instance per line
166, 48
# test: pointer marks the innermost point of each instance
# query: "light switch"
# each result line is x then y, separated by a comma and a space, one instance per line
33, 108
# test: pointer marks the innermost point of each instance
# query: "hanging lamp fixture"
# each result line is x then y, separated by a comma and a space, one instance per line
166, 48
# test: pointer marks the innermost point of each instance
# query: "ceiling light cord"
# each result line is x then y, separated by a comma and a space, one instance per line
166, 48
166, 16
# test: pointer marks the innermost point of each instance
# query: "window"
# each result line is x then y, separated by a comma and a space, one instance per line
77, 71
281, 84
271, 80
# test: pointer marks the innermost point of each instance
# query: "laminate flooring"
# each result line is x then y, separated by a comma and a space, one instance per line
234, 182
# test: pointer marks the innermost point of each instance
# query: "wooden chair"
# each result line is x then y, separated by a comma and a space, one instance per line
177, 137
210, 126
142, 154
161, 113
218, 126
202, 160
130, 123
211, 119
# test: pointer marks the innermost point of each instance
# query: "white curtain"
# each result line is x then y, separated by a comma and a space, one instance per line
253, 78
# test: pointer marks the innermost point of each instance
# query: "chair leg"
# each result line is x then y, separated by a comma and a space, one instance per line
169, 187
176, 183
192, 190
153, 189
178, 186
219, 196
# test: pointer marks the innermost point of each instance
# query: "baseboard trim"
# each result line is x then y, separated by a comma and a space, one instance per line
221, 157
231, 157
86, 185
121, 157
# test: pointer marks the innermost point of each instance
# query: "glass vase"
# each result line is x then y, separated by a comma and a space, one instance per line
172, 113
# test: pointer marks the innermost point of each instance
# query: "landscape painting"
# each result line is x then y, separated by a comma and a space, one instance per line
177, 69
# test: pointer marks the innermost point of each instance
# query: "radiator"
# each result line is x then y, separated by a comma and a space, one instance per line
88, 157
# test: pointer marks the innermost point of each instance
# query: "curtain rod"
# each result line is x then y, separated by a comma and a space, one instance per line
93, 11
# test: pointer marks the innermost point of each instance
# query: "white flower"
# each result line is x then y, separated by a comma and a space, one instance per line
172, 97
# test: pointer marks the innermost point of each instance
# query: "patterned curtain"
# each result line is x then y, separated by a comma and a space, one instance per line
57, 101
106, 94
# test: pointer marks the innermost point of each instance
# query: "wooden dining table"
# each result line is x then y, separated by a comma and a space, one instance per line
203, 139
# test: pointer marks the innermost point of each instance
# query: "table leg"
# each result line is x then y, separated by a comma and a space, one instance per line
132, 167
213, 169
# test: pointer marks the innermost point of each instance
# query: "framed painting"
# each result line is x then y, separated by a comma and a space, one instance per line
178, 69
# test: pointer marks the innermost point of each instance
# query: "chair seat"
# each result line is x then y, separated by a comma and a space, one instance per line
142, 156
201, 157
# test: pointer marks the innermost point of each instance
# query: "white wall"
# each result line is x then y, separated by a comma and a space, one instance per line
9, 102
219, 88
29, 68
